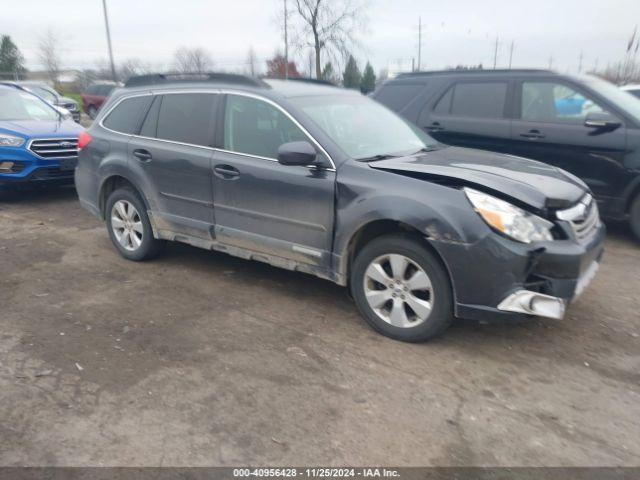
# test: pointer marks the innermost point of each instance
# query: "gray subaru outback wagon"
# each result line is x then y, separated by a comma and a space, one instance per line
323, 180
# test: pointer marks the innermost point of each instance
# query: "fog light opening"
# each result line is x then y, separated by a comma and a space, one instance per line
6, 167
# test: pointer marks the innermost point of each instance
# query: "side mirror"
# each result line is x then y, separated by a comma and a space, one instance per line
297, 153
602, 120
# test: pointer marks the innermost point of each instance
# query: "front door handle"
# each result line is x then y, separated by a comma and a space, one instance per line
435, 127
226, 172
142, 155
534, 133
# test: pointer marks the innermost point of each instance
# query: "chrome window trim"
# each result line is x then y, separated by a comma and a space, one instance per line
215, 91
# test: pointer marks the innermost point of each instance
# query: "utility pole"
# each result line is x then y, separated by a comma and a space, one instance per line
495, 54
286, 44
550, 61
580, 62
106, 24
419, 42
511, 55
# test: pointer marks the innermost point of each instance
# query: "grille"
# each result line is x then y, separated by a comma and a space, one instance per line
55, 147
583, 217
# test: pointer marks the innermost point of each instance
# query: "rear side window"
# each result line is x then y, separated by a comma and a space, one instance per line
397, 96
126, 116
92, 90
482, 100
187, 118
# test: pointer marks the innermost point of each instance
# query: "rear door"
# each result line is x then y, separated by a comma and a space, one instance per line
261, 205
471, 113
173, 153
550, 128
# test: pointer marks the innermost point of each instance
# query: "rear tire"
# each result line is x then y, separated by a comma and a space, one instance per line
129, 226
401, 289
634, 217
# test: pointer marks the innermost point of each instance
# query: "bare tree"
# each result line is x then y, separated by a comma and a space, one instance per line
49, 54
252, 62
192, 60
331, 26
131, 67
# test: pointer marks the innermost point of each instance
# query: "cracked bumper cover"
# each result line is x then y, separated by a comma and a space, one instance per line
499, 279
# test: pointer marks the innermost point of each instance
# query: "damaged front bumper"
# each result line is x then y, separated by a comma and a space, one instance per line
499, 279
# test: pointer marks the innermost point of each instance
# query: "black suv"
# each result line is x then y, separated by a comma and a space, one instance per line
326, 181
581, 124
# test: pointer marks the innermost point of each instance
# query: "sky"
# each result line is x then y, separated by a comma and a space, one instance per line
543, 32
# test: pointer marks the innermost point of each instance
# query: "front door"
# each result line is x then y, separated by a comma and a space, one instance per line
551, 128
261, 205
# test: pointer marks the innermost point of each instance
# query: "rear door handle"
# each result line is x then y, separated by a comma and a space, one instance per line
533, 134
435, 127
226, 172
142, 155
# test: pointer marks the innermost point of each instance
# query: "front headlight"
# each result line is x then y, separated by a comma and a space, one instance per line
10, 141
509, 219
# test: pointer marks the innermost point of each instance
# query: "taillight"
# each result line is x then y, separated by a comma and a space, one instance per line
83, 140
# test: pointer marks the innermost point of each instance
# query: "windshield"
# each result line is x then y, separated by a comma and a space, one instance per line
621, 99
20, 105
363, 128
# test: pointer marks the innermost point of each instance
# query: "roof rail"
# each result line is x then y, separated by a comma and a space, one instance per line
472, 71
316, 81
213, 77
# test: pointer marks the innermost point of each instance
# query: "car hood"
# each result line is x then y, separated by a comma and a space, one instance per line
536, 184
34, 128
65, 100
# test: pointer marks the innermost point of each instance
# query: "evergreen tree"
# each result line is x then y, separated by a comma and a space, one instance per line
328, 74
351, 76
368, 83
11, 60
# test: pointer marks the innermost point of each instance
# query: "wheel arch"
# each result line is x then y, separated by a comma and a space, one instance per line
111, 184
378, 228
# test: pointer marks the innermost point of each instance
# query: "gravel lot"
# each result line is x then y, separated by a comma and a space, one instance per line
199, 358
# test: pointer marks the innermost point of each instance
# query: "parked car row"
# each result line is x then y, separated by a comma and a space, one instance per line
49, 94
425, 218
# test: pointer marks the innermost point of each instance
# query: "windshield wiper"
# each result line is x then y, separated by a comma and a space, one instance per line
373, 158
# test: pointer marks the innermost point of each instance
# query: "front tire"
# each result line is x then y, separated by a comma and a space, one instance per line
401, 289
129, 227
634, 217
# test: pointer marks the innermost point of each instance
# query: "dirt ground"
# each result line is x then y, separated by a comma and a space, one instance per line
199, 358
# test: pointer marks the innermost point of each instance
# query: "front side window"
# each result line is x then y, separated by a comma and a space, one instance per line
255, 127
554, 103
20, 105
361, 127
187, 118
125, 117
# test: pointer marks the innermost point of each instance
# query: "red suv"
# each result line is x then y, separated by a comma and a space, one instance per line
95, 96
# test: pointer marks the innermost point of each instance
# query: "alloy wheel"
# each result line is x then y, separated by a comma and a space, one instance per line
127, 225
398, 290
